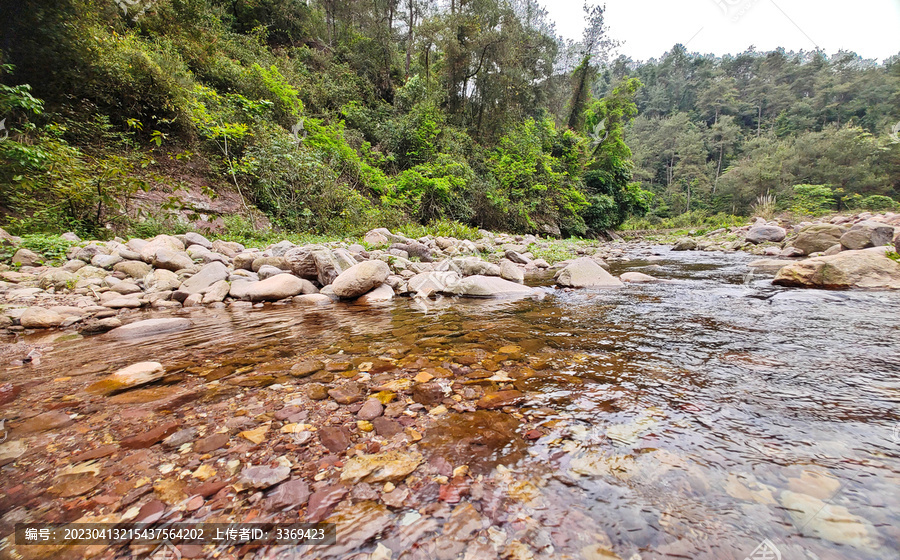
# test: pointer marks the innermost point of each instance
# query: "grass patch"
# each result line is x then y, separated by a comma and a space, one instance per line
52, 247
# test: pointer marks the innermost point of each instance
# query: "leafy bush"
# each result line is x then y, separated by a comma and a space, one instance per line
878, 203
434, 191
812, 199
52, 247
533, 190
440, 228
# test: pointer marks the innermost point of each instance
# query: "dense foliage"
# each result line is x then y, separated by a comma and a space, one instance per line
333, 117
722, 134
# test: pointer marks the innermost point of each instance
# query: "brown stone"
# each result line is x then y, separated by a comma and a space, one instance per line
347, 394
211, 443
322, 502
149, 438
316, 392
385, 427
45, 421
500, 399
208, 489
428, 393
102, 451
306, 367
334, 439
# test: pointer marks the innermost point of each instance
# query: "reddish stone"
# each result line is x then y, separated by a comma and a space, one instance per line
150, 512
42, 422
9, 392
102, 451
533, 434
321, 503
211, 443
208, 489
334, 439
452, 493
149, 438
500, 399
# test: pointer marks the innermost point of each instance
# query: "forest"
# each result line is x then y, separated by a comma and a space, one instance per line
336, 117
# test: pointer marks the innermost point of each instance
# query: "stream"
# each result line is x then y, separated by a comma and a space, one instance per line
694, 418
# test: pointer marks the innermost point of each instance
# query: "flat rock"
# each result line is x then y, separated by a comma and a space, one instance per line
390, 466
323, 501
347, 394
586, 273
275, 288
334, 439
129, 377
261, 477
43, 422
869, 268
291, 494
489, 287
380, 294
149, 327
40, 318
211, 443
370, 410
149, 438
500, 399
637, 277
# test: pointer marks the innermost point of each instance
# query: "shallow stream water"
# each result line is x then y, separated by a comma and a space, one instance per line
695, 418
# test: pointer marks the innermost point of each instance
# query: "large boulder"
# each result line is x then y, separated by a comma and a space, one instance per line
360, 279
868, 268
57, 279
510, 271
135, 269
685, 244
274, 288
227, 248
586, 273
761, 234
303, 262
488, 287
149, 250
193, 238
174, 261
161, 281
330, 264
817, 237
40, 318
473, 266
867, 234
200, 282
24, 257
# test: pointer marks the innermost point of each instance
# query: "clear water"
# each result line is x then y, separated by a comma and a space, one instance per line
688, 419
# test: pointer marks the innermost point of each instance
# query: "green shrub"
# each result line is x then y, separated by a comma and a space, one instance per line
812, 199
434, 191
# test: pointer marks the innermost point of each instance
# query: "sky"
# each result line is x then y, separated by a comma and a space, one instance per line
649, 28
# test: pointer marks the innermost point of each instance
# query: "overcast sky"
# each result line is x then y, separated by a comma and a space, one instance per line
649, 28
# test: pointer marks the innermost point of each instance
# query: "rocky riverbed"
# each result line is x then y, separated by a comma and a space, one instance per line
628, 402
